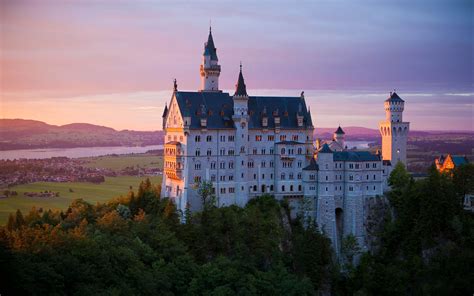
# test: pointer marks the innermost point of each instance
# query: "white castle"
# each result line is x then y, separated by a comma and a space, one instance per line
248, 146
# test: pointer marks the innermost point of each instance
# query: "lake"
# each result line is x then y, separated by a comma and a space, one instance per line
73, 152
99, 151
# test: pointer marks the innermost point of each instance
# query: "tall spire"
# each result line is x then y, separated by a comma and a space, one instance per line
209, 48
240, 88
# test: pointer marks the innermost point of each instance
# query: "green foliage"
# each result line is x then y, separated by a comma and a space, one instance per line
136, 245
427, 250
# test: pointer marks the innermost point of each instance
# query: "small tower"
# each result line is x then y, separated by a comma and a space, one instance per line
338, 137
394, 131
210, 70
241, 119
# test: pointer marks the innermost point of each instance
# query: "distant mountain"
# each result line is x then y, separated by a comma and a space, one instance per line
30, 134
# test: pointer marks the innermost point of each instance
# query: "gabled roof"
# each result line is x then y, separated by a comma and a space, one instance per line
355, 156
339, 131
240, 88
459, 160
394, 98
209, 48
313, 166
325, 149
219, 108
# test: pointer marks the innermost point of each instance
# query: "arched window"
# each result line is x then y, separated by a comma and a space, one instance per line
282, 150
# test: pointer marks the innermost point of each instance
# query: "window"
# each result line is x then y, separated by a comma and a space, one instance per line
271, 138
351, 188
255, 188
271, 150
312, 177
283, 188
357, 165
300, 151
351, 178
263, 164
197, 166
231, 165
197, 179
255, 176
282, 150
326, 188
295, 138
230, 152
258, 138
222, 138
291, 187
282, 138
351, 165
271, 187
367, 177
254, 151
198, 152
271, 164
222, 178
242, 149
222, 151
327, 178
231, 178
222, 165
209, 152
231, 189
213, 178
290, 176
374, 165
197, 139
367, 165
231, 138
263, 176
299, 187
271, 176
250, 164
263, 151
209, 139
213, 165
222, 190
300, 164
282, 177
326, 166
375, 177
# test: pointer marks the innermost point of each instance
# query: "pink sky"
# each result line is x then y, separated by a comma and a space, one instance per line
112, 62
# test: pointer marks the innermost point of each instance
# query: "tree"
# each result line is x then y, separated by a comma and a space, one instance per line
399, 178
463, 179
206, 194
124, 211
349, 248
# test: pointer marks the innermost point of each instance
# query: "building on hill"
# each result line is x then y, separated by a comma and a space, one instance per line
449, 162
247, 146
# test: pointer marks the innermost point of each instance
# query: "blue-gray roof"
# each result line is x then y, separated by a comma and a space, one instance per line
313, 166
219, 107
355, 156
325, 149
394, 98
459, 160
209, 48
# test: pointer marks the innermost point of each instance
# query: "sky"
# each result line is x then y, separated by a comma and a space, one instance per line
112, 62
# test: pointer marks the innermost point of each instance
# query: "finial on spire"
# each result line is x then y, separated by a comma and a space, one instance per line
175, 85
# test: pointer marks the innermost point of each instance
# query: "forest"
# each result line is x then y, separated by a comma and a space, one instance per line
137, 245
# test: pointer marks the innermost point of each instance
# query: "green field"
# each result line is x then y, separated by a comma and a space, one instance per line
123, 161
112, 187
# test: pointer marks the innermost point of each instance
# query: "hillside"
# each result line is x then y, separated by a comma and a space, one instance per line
30, 134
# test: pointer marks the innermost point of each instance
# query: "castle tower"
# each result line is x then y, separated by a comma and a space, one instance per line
394, 131
210, 70
241, 119
338, 137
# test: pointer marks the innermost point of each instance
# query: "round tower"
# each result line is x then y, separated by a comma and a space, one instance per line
209, 69
394, 131
338, 137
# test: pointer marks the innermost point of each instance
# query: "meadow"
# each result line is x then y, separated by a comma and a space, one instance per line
120, 162
112, 187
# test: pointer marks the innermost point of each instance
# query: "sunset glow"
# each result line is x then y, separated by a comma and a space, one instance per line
113, 65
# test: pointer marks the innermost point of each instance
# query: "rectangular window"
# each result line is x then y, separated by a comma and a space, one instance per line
258, 138
271, 138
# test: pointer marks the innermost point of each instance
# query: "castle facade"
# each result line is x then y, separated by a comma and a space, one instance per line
247, 146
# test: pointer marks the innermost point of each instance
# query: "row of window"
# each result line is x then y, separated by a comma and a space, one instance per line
224, 138
197, 138
175, 138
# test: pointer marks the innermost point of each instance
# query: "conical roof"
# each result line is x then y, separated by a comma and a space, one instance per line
394, 98
240, 88
209, 48
339, 131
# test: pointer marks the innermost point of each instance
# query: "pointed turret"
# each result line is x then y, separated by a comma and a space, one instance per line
209, 69
339, 131
240, 88
209, 48
310, 120
165, 113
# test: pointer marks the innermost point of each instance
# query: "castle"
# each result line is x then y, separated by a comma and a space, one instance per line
247, 146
